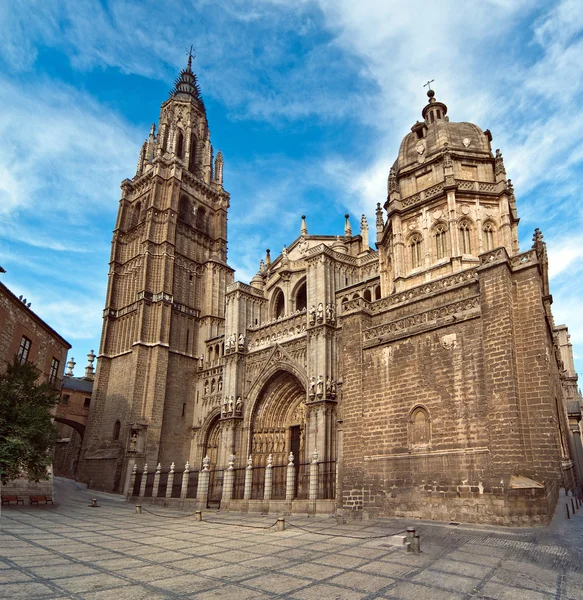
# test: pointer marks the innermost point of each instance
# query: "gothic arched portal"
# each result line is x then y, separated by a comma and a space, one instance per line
212, 442
278, 423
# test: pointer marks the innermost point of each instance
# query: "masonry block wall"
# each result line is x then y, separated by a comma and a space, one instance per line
451, 398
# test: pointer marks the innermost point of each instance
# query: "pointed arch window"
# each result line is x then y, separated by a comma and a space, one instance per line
488, 236
193, 154
415, 242
180, 145
440, 234
200, 219
116, 429
465, 238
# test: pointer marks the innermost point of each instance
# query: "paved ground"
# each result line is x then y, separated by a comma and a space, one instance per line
73, 551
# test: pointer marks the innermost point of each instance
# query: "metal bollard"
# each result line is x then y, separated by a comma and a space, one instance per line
138, 509
567, 507
416, 544
93, 503
198, 515
572, 505
281, 524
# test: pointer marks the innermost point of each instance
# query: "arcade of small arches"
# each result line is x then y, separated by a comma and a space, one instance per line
280, 305
440, 243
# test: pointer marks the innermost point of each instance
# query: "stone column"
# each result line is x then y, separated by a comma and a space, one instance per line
248, 478
290, 483
313, 493
170, 483
130, 490
268, 478
203, 482
143, 482
185, 476
156, 481
228, 480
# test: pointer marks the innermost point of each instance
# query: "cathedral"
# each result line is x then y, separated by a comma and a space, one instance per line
423, 378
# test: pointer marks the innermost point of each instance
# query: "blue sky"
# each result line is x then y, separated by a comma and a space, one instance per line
308, 100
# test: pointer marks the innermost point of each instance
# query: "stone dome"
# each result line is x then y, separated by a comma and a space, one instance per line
430, 136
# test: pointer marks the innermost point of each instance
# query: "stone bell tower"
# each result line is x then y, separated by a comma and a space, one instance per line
167, 280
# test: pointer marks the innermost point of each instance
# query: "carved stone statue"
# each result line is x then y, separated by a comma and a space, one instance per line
239, 406
320, 387
241, 341
312, 314
312, 391
134, 442
225, 405
231, 405
329, 313
320, 312
328, 388
333, 389
206, 388
220, 385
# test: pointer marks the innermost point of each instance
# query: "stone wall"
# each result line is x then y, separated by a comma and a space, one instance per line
450, 397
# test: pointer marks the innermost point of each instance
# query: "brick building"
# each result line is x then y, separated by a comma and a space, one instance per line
423, 378
25, 335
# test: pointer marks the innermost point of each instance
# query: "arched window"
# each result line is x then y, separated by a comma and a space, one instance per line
135, 214
180, 145
367, 295
301, 297
116, 429
184, 209
192, 158
415, 242
419, 428
278, 305
440, 234
377, 292
488, 236
465, 241
200, 218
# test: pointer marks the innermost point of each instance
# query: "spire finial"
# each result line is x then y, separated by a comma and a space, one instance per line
347, 227
304, 228
190, 57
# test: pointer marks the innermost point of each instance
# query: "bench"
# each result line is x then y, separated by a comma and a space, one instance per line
9, 499
37, 499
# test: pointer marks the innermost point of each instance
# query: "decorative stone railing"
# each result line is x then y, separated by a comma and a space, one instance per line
422, 320
426, 289
277, 331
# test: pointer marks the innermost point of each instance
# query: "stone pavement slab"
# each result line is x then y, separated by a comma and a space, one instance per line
76, 552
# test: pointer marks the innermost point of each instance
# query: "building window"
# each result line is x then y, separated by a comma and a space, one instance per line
278, 305
301, 297
65, 398
440, 242
488, 236
116, 429
415, 250
180, 145
87, 403
465, 242
54, 370
23, 350
419, 428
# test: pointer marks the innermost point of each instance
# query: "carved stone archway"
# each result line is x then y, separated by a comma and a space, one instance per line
278, 420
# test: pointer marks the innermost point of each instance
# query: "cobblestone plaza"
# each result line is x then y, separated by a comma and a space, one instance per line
74, 551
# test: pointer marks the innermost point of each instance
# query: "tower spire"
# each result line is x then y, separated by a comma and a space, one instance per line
186, 85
